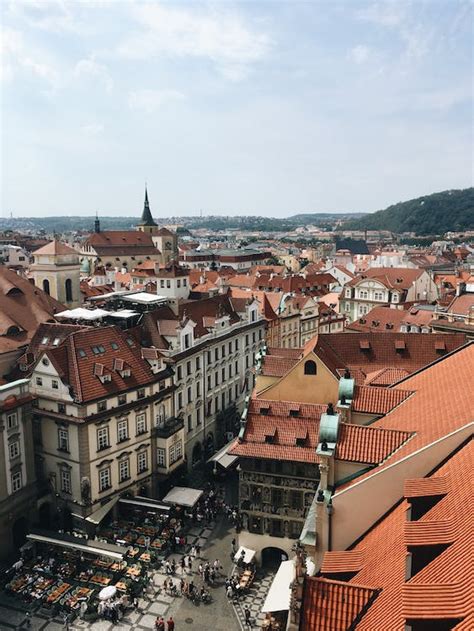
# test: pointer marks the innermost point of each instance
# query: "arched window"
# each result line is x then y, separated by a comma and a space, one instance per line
310, 367
68, 287
46, 286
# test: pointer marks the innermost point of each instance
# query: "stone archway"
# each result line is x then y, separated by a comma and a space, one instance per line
272, 557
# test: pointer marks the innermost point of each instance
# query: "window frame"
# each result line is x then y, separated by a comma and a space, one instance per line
63, 439
103, 431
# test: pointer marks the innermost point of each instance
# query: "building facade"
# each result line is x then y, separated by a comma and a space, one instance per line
18, 491
104, 419
56, 270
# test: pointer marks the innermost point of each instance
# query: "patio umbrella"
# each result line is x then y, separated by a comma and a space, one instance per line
107, 592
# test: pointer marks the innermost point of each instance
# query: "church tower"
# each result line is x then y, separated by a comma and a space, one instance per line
56, 270
147, 223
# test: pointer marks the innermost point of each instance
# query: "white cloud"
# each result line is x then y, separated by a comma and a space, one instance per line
16, 57
385, 13
360, 54
220, 36
91, 68
151, 100
92, 129
56, 16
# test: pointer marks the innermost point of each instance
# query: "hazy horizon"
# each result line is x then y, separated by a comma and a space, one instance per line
263, 109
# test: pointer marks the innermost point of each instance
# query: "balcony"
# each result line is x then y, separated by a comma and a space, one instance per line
168, 427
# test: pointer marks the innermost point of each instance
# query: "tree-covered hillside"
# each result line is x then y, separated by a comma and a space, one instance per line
428, 215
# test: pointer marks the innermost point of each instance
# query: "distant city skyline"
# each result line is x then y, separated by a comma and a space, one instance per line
268, 109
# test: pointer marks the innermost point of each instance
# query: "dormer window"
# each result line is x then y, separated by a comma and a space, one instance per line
45, 340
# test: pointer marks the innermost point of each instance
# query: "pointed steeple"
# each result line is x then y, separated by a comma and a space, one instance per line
147, 219
96, 222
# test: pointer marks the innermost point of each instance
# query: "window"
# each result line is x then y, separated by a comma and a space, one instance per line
209, 382
161, 457
198, 416
216, 378
114, 345
198, 363
310, 367
56, 341
16, 481
184, 282
180, 400
142, 462
190, 394
230, 348
236, 390
188, 368
175, 452
216, 354
68, 289
81, 352
39, 381
101, 406
104, 479
46, 286
122, 399
187, 340
168, 284
198, 389
122, 431
162, 283
141, 393
55, 384
230, 371
236, 366
102, 438
254, 339
178, 283
246, 361
124, 470
45, 340
209, 357
247, 340
223, 401
141, 424
190, 422
65, 480
63, 439
14, 449
62, 408
180, 372
223, 375
236, 344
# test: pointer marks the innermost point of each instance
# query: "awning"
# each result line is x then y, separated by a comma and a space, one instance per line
82, 545
183, 496
222, 456
146, 503
83, 314
248, 554
279, 595
97, 516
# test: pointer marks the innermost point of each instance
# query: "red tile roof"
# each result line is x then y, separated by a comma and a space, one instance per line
377, 400
272, 418
387, 319
275, 366
76, 362
401, 278
55, 247
22, 308
443, 588
441, 403
339, 350
367, 444
385, 376
334, 605
122, 243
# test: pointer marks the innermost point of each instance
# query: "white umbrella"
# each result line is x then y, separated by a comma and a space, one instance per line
107, 592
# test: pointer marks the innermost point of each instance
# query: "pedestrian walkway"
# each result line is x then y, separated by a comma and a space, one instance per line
254, 599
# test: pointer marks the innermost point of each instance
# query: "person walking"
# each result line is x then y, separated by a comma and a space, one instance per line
170, 623
248, 621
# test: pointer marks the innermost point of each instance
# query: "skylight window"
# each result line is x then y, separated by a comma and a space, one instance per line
114, 345
81, 352
45, 340
56, 341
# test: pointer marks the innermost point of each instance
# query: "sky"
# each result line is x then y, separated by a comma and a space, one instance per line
259, 107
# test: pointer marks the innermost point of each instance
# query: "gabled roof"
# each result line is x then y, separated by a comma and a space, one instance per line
22, 308
400, 278
444, 588
377, 400
78, 355
440, 404
385, 377
55, 248
122, 243
334, 605
274, 418
367, 444
274, 366
387, 319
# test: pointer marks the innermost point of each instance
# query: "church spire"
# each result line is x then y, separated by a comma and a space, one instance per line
147, 219
96, 222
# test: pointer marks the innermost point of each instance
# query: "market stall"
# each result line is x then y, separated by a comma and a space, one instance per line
183, 496
244, 555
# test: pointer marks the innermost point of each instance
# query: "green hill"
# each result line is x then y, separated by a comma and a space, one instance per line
428, 215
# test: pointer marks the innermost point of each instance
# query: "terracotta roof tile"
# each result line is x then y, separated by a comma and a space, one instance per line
377, 400
443, 588
275, 366
367, 444
77, 363
272, 418
386, 376
334, 605
55, 247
